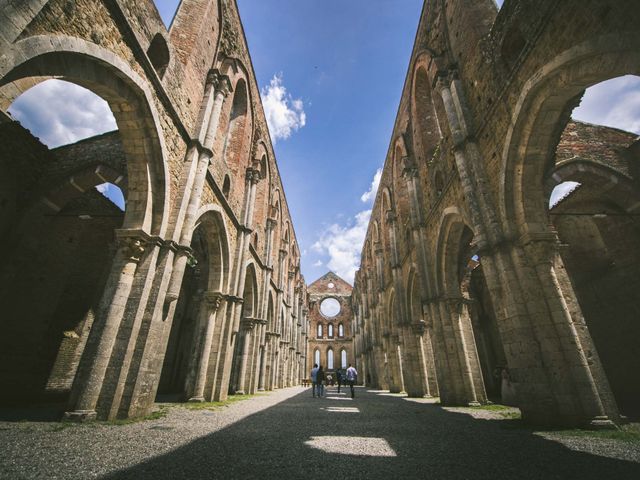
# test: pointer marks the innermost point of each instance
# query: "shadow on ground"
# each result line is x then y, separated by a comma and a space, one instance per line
427, 441
46, 412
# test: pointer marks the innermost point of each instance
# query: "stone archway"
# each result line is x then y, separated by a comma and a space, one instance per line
28, 63
459, 371
191, 359
577, 382
242, 375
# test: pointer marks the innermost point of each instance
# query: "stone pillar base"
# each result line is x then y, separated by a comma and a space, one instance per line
261, 390
239, 392
196, 400
80, 416
602, 423
473, 404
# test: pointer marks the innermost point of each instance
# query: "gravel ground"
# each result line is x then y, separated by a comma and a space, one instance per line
289, 434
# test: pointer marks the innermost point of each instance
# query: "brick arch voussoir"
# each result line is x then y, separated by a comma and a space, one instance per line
130, 99
537, 120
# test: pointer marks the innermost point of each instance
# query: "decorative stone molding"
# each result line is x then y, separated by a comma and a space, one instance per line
253, 175
214, 300
132, 243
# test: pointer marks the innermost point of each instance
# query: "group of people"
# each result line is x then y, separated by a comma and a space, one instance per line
318, 379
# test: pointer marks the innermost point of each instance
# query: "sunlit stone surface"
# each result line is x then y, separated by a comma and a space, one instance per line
370, 447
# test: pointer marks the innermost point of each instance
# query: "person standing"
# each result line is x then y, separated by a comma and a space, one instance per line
320, 379
339, 378
314, 379
352, 376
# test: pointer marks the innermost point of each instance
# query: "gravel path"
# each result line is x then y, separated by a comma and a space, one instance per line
289, 434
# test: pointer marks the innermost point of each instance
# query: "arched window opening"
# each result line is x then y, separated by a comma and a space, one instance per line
64, 140
330, 359
207, 269
464, 277
113, 193
427, 127
330, 331
234, 140
319, 330
316, 357
593, 224
340, 330
158, 54
226, 186
330, 307
343, 359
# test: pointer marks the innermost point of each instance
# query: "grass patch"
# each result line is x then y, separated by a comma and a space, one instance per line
156, 415
492, 407
216, 405
627, 433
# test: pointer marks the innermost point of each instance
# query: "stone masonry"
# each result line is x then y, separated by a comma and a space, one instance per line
468, 280
330, 331
195, 290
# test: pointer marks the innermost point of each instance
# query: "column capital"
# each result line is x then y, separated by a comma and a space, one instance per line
253, 175
409, 168
213, 77
223, 85
441, 82
248, 323
271, 223
213, 299
132, 243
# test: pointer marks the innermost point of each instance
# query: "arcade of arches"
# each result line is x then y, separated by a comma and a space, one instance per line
473, 285
194, 291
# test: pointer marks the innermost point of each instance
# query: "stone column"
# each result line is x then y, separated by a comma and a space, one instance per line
247, 328
567, 339
393, 363
211, 305
92, 370
222, 90
429, 360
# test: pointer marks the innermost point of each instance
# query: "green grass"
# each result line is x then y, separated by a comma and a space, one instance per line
509, 413
626, 433
216, 405
156, 415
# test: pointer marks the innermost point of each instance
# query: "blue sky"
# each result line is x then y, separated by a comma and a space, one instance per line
331, 73
346, 61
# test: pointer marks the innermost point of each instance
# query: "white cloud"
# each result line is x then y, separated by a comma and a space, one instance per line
60, 113
284, 114
371, 193
343, 244
614, 103
318, 263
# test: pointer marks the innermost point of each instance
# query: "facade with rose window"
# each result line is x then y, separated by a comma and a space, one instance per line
330, 317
